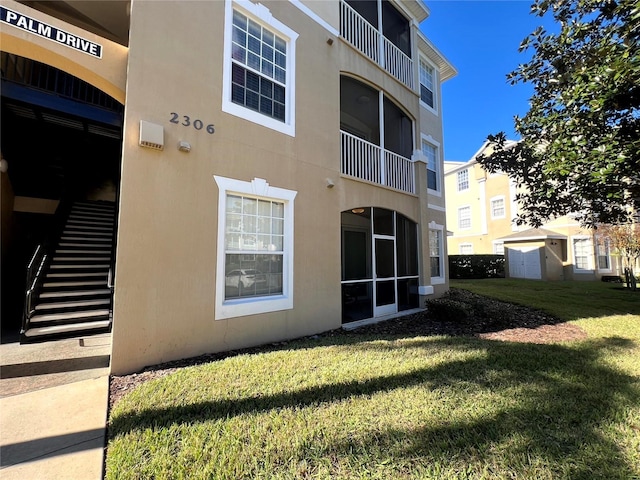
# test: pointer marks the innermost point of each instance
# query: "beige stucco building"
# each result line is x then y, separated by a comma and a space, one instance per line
481, 208
253, 172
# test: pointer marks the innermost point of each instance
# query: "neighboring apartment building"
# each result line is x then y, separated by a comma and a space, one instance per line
481, 208
275, 168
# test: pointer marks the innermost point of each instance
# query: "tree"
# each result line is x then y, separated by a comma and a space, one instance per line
625, 240
580, 147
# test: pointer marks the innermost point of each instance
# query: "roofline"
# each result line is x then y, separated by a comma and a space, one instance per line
472, 160
447, 70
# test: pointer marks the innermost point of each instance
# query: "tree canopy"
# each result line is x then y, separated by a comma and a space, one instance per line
580, 147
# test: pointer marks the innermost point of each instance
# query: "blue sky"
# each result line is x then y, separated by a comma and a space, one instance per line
481, 39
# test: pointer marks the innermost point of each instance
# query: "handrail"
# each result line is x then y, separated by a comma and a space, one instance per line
33, 284
41, 258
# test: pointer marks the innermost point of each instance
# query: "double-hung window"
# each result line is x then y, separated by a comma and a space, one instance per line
255, 248
427, 75
436, 253
464, 217
582, 253
463, 180
433, 173
603, 253
497, 207
259, 63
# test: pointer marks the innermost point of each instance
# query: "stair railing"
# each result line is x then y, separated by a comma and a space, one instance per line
40, 262
34, 271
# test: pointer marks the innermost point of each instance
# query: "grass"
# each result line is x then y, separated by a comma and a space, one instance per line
402, 407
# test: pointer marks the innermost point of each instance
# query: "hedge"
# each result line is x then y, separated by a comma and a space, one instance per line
476, 266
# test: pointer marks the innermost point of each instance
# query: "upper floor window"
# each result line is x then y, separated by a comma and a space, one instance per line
427, 74
497, 207
463, 180
464, 217
433, 172
259, 67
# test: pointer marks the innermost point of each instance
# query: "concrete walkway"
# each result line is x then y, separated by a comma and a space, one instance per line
53, 407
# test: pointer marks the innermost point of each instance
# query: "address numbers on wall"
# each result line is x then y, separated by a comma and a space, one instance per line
185, 121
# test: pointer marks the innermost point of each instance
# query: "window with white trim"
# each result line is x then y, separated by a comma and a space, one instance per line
427, 76
603, 253
464, 217
466, 249
436, 253
255, 248
497, 207
498, 248
463, 180
582, 253
259, 67
433, 172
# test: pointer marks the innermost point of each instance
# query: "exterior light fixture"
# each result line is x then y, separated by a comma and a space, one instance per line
357, 211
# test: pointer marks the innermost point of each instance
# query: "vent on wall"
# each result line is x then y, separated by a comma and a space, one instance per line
151, 135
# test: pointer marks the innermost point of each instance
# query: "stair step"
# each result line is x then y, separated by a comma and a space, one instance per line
48, 317
73, 275
75, 293
86, 240
81, 259
67, 328
83, 251
86, 283
73, 304
85, 227
58, 266
92, 211
85, 245
87, 233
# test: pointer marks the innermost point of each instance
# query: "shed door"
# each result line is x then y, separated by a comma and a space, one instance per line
524, 262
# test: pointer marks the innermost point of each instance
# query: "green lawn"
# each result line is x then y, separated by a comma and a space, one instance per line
392, 407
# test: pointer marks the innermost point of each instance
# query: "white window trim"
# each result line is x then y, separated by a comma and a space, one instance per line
495, 244
439, 164
435, 92
590, 256
259, 188
465, 245
595, 254
262, 15
504, 206
461, 207
442, 278
458, 173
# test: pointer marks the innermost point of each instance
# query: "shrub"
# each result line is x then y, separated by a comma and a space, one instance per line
476, 266
448, 310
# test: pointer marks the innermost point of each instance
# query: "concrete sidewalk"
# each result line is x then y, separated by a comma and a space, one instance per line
53, 407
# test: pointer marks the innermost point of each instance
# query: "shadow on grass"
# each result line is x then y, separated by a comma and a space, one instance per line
570, 395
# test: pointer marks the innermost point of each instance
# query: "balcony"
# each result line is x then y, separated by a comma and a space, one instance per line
365, 161
376, 137
388, 44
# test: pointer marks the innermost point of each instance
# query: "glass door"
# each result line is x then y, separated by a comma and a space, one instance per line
385, 276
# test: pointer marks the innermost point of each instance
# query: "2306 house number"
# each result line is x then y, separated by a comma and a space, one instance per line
185, 121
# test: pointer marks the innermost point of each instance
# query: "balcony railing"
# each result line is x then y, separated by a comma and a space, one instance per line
368, 40
366, 161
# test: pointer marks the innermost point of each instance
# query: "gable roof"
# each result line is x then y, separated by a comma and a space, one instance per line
533, 234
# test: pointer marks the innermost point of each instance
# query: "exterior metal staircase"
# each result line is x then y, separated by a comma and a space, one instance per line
69, 287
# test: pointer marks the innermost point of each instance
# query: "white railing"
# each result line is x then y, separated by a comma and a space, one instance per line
397, 63
399, 172
369, 41
366, 161
358, 32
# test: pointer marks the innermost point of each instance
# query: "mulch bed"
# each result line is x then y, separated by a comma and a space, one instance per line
510, 323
